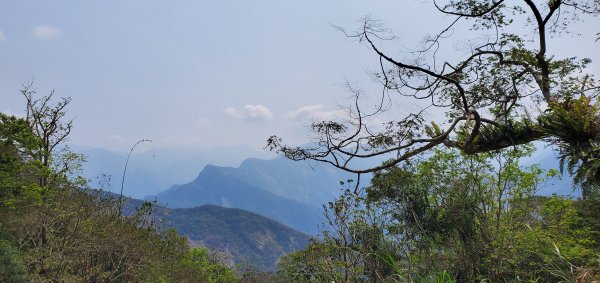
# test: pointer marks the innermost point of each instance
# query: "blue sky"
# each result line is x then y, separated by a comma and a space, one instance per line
203, 73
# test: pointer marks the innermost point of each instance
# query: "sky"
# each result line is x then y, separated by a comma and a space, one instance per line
206, 73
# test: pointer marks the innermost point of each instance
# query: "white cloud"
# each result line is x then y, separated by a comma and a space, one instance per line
46, 32
250, 113
314, 112
2, 36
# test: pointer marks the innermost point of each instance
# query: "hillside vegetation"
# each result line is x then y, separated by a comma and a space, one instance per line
250, 238
54, 229
454, 218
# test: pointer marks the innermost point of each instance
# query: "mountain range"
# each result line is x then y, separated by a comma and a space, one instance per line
256, 211
290, 192
154, 169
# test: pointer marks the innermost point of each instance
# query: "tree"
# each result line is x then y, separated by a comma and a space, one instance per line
207, 263
461, 213
484, 95
455, 218
54, 228
16, 146
48, 123
351, 246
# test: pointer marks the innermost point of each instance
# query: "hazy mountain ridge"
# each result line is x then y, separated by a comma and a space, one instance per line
312, 184
221, 186
155, 169
290, 192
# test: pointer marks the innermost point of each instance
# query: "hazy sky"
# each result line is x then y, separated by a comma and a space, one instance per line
203, 72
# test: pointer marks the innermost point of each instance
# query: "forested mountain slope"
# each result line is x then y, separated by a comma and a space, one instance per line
250, 238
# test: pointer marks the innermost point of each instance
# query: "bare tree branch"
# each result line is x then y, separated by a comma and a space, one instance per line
483, 95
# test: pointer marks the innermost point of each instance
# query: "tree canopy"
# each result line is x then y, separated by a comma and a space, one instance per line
486, 95
453, 218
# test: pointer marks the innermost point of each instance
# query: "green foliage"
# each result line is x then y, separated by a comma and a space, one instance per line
16, 144
246, 236
434, 277
569, 230
210, 270
454, 218
321, 261
12, 267
349, 248
54, 229
576, 125
76, 235
474, 217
